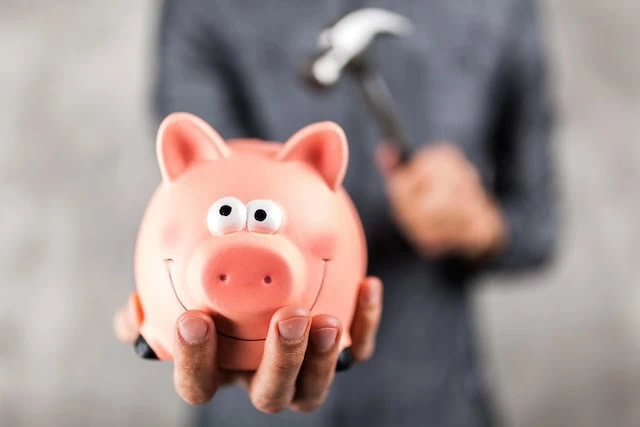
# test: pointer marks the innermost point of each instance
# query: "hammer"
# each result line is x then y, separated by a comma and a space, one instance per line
346, 45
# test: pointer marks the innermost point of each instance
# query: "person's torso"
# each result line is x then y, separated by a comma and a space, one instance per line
443, 79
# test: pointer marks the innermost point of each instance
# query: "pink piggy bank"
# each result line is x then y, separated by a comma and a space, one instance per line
241, 229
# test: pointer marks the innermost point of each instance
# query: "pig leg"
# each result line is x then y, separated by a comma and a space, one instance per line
143, 349
345, 360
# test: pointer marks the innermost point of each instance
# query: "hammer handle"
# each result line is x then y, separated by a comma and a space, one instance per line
380, 102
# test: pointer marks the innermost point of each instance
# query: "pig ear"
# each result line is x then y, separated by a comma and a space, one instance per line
323, 146
184, 140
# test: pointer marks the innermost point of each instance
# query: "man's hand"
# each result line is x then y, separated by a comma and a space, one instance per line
439, 203
299, 360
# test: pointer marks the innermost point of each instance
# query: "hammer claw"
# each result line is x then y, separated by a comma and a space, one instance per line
345, 46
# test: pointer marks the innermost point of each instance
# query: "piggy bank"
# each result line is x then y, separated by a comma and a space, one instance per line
239, 229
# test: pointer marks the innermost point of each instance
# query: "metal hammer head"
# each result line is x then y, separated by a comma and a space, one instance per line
347, 40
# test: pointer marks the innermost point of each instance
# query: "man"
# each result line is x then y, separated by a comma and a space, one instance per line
477, 195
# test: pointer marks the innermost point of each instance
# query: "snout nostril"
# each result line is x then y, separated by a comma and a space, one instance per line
223, 277
267, 279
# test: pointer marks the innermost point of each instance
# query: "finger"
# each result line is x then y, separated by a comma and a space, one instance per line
128, 319
125, 330
194, 352
387, 159
434, 247
319, 366
403, 193
366, 319
441, 215
399, 180
448, 217
444, 152
438, 159
134, 310
410, 184
273, 386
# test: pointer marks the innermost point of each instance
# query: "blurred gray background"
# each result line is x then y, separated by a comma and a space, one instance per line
77, 168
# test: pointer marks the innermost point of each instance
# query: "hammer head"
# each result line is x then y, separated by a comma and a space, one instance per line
345, 43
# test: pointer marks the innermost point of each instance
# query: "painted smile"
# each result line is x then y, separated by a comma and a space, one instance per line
169, 262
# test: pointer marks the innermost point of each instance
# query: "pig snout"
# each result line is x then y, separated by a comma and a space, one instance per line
257, 268
248, 277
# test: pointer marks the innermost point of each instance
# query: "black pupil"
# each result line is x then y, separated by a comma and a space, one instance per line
260, 215
225, 210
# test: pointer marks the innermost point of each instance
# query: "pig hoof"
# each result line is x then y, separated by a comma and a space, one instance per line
143, 349
345, 359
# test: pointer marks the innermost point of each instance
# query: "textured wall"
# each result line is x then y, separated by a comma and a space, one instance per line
564, 345
77, 167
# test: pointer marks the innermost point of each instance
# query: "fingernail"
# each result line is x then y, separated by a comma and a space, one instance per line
371, 296
323, 339
293, 329
193, 330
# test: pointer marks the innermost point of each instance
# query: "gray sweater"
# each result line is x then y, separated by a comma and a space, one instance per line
474, 73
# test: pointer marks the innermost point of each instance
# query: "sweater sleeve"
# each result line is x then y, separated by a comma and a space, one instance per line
524, 179
191, 70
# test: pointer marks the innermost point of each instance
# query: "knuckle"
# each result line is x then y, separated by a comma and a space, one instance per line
369, 314
284, 369
289, 362
190, 368
428, 250
426, 241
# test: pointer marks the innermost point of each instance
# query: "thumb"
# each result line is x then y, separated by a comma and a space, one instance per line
398, 180
387, 159
195, 366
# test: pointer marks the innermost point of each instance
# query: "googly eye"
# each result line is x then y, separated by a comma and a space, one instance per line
226, 215
264, 216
